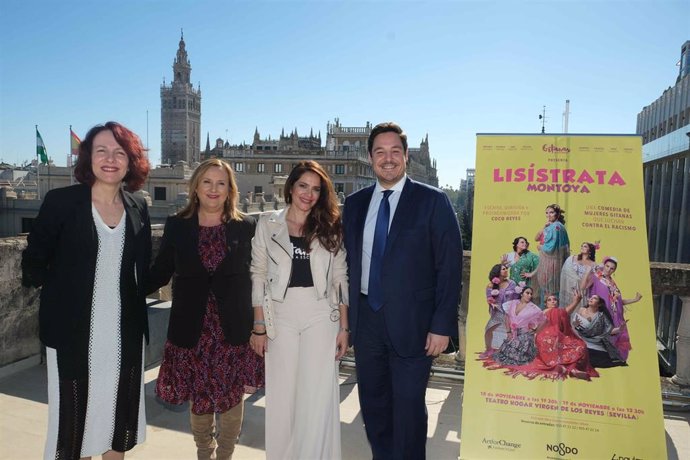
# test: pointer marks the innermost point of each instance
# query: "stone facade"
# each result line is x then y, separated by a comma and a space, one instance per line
262, 166
19, 308
166, 187
180, 113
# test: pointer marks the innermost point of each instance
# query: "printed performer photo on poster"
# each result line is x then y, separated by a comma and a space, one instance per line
582, 325
560, 326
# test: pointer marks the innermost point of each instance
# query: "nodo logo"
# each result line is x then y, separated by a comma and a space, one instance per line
561, 449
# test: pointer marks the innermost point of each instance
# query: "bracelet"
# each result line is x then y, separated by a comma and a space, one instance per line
258, 333
259, 321
344, 329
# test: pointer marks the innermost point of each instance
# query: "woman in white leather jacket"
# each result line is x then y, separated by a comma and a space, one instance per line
299, 293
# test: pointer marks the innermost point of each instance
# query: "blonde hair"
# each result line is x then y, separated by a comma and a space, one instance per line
230, 210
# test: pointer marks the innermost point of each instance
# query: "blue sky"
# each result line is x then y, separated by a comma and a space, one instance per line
447, 68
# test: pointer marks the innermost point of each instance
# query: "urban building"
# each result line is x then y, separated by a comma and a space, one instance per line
22, 191
180, 113
262, 167
665, 129
465, 206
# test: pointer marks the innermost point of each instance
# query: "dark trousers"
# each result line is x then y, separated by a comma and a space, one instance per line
391, 390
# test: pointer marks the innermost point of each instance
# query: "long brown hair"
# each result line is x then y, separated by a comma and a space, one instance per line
230, 211
323, 222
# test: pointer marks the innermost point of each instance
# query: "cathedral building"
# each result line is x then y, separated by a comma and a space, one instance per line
180, 113
262, 166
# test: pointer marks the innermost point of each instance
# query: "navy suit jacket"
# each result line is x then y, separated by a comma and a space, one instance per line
422, 265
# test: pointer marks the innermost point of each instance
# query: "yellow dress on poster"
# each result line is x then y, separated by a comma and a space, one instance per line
561, 349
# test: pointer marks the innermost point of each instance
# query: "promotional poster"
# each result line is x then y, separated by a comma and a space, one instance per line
561, 350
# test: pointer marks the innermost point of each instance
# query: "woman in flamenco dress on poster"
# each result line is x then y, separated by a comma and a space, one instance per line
554, 249
499, 290
560, 352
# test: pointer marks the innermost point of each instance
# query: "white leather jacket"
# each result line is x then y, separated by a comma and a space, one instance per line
272, 267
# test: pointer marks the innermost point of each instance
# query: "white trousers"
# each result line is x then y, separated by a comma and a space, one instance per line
302, 394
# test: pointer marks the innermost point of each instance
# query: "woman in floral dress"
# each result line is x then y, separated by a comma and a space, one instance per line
523, 318
499, 290
522, 262
207, 360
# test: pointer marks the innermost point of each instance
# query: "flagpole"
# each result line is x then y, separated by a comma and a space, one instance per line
38, 172
69, 155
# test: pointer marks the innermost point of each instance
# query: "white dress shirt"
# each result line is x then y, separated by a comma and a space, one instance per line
370, 224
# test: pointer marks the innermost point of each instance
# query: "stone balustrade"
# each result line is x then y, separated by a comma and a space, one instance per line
19, 308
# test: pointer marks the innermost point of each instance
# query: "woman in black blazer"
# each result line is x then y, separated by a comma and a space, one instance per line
206, 249
89, 250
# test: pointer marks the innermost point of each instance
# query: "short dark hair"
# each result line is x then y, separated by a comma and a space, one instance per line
495, 272
138, 168
517, 240
386, 127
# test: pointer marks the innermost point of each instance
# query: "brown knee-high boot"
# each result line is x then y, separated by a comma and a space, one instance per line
203, 427
229, 430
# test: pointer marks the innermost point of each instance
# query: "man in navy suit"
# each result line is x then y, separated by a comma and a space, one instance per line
404, 256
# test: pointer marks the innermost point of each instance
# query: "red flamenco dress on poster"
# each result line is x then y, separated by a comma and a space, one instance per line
213, 375
560, 352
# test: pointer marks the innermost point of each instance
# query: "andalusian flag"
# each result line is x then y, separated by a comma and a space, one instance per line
74, 142
41, 148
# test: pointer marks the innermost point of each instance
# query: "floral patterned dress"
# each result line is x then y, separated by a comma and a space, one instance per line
497, 297
519, 348
526, 262
213, 375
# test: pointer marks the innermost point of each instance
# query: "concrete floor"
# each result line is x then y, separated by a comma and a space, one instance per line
23, 415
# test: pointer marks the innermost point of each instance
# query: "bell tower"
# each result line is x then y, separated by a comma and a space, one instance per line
180, 113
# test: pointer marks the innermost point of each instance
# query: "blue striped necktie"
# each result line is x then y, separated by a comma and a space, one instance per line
375, 296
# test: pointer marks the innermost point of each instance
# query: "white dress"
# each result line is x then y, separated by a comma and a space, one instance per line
104, 353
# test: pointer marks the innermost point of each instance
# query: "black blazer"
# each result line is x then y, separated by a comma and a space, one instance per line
61, 258
231, 283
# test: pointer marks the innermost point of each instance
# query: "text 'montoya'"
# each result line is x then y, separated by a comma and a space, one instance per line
558, 179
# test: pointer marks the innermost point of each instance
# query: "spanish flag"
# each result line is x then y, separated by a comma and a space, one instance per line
74, 142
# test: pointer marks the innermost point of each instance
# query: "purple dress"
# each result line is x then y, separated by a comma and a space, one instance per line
606, 288
212, 375
496, 313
